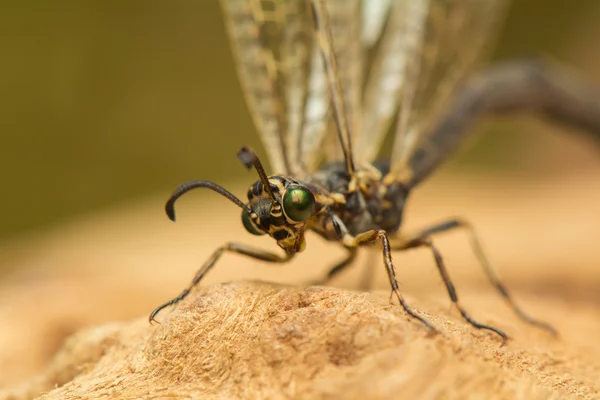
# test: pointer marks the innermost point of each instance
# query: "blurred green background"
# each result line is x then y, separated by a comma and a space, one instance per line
104, 102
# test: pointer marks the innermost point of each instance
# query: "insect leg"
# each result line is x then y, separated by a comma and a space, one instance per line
339, 267
238, 248
424, 241
487, 267
381, 236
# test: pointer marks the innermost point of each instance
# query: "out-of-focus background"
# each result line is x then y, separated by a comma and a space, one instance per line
107, 102
109, 105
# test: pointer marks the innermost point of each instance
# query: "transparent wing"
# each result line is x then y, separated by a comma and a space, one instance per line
337, 33
298, 52
451, 38
374, 15
295, 78
316, 115
354, 37
399, 45
272, 42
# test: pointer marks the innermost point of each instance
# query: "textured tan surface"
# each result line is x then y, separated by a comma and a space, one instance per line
253, 340
239, 340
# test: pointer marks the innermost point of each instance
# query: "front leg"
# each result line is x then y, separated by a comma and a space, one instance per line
372, 237
239, 248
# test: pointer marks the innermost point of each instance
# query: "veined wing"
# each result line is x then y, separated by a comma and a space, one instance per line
293, 77
337, 82
272, 42
399, 48
455, 34
374, 16
290, 75
337, 33
356, 29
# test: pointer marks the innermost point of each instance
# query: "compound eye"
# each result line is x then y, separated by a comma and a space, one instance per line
298, 203
249, 225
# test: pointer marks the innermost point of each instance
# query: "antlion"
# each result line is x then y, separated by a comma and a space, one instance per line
323, 112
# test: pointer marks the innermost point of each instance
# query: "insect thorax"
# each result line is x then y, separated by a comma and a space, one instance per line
376, 205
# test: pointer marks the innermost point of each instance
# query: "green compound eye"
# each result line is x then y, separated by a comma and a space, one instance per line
250, 227
298, 203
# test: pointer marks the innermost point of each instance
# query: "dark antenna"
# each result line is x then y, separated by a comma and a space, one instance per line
249, 158
186, 187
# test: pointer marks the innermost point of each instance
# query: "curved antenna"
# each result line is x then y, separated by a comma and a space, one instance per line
249, 158
186, 187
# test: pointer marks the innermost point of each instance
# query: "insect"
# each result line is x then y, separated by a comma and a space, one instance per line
326, 80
